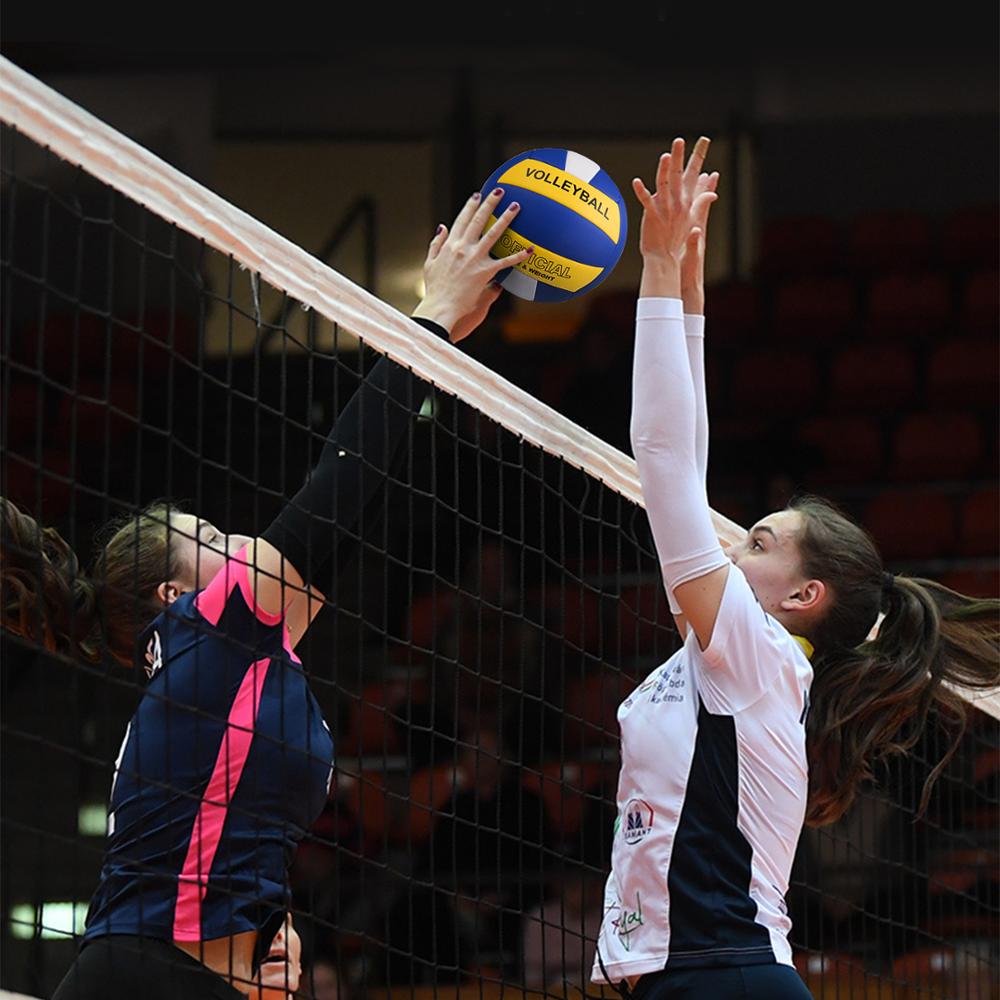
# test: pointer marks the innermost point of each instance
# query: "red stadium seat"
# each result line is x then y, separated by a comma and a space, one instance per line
571, 613
975, 582
816, 307
732, 310
430, 615
936, 446
566, 787
42, 489
799, 245
883, 242
912, 524
979, 309
872, 378
770, 382
591, 708
844, 449
964, 372
969, 237
27, 426
979, 523
431, 788
373, 723
914, 305
644, 619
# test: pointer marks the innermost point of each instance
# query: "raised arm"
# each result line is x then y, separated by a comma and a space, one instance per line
296, 559
665, 405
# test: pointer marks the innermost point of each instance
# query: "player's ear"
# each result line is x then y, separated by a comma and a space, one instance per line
809, 596
168, 592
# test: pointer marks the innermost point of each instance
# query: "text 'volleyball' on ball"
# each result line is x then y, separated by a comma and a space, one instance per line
572, 213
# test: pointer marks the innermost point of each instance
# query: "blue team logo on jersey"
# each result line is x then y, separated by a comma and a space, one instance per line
154, 654
638, 821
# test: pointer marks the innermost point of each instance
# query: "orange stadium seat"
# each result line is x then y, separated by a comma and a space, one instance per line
845, 449
814, 307
882, 242
917, 524
916, 304
832, 975
371, 726
936, 446
872, 378
963, 372
944, 971
800, 244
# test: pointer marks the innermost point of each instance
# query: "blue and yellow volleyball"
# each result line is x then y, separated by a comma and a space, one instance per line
572, 213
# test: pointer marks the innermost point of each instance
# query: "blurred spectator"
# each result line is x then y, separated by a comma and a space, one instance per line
559, 934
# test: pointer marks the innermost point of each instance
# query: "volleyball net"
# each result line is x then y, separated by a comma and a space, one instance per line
491, 612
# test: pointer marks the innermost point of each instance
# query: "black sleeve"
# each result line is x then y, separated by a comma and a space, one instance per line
351, 472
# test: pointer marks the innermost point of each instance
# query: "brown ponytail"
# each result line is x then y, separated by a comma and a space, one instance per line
44, 594
47, 598
870, 699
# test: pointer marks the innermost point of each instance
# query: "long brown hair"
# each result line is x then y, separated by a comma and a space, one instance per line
48, 598
871, 698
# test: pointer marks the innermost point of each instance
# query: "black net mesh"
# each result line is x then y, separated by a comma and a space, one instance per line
490, 613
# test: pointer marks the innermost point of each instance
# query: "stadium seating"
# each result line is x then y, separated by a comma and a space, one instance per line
883, 242
979, 523
878, 378
814, 308
913, 305
845, 449
800, 245
928, 447
964, 372
910, 525
979, 310
969, 237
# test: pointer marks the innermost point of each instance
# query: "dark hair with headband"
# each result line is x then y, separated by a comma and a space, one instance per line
871, 697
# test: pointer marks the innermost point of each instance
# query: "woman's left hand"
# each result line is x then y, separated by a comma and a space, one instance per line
459, 271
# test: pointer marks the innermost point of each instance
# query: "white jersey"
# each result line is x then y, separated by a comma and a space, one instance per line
711, 800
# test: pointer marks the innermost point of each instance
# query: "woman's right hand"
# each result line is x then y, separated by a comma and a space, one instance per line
459, 271
667, 218
693, 260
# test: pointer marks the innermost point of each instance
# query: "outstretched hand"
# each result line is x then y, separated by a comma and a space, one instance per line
675, 215
459, 271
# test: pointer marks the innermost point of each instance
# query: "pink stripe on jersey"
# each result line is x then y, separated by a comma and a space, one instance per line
211, 601
208, 824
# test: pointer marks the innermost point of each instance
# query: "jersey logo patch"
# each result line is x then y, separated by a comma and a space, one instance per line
154, 655
638, 821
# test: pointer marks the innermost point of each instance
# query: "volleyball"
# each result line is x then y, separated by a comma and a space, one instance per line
572, 213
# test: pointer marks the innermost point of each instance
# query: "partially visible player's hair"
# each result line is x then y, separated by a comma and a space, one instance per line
48, 598
870, 699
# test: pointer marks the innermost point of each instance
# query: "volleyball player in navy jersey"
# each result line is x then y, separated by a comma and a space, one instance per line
227, 760
783, 695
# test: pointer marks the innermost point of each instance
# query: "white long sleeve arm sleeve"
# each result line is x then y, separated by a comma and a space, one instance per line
663, 432
694, 337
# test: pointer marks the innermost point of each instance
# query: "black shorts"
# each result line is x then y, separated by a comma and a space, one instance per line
741, 982
120, 967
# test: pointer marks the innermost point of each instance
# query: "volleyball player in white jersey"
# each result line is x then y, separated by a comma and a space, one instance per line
776, 706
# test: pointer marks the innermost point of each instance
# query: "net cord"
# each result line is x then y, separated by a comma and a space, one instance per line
80, 138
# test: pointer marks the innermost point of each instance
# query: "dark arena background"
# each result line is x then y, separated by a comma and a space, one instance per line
504, 597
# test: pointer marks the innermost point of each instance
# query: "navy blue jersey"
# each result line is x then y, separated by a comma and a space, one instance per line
224, 765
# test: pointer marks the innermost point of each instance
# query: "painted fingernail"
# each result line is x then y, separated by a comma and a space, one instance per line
531, 250
439, 230
476, 196
513, 206
497, 192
